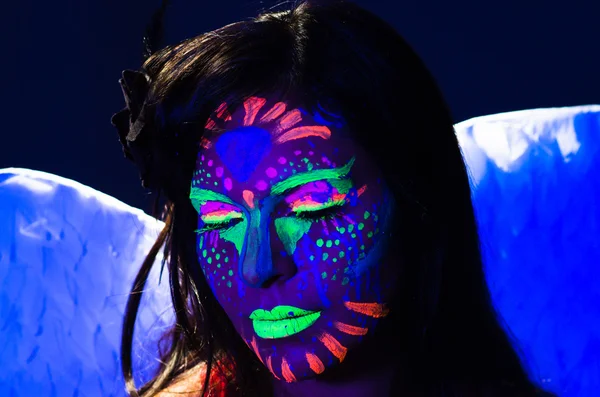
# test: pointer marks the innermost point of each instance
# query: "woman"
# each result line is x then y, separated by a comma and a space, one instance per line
319, 229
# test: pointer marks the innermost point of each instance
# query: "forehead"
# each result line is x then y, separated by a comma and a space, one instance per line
265, 141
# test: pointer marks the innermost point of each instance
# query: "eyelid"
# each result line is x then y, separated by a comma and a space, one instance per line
220, 216
307, 204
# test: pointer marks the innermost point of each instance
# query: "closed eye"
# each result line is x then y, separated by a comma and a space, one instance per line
219, 220
327, 210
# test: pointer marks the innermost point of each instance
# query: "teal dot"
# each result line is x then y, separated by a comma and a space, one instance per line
334, 260
361, 226
208, 176
370, 234
345, 281
350, 228
325, 255
367, 214
218, 256
216, 183
353, 235
312, 257
229, 284
226, 259
337, 242
341, 254
222, 277
329, 243
362, 247
333, 278
230, 272
324, 275
212, 250
219, 265
204, 253
209, 260
342, 230
320, 242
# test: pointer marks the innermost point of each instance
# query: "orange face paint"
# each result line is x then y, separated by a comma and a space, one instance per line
350, 329
290, 119
361, 190
333, 346
375, 310
255, 348
252, 105
276, 111
315, 363
248, 198
286, 372
303, 132
270, 366
222, 112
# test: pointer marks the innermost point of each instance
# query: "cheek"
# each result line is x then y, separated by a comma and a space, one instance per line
333, 248
218, 257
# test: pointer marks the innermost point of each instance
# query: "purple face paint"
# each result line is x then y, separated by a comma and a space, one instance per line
292, 234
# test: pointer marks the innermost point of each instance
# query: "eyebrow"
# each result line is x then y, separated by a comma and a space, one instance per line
311, 176
199, 197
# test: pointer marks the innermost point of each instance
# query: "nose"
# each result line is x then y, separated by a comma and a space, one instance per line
257, 269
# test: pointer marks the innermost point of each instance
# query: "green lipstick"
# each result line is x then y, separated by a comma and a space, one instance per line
282, 321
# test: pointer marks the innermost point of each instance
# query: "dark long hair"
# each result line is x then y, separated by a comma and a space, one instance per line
448, 333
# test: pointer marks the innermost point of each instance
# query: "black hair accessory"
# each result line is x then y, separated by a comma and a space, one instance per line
135, 125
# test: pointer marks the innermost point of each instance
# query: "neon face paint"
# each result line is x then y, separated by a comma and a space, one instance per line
282, 321
293, 227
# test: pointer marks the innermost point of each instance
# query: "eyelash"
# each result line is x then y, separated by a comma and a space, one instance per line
327, 213
219, 226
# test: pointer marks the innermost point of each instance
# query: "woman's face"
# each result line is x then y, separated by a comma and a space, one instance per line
293, 224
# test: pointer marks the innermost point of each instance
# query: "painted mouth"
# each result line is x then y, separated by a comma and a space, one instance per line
282, 321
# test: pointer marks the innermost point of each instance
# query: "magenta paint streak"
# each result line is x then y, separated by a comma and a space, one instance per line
219, 171
282, 160
228, 184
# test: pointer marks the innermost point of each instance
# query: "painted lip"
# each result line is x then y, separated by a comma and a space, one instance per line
282, 321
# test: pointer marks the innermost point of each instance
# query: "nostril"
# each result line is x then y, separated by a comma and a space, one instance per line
270, 281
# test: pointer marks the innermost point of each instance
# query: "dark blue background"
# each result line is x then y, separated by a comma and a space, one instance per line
61, 62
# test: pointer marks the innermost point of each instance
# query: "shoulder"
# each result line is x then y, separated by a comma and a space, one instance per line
191, 382
188, 384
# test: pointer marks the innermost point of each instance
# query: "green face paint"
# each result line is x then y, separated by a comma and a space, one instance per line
199, 197
303, 178
282, 321
290, 230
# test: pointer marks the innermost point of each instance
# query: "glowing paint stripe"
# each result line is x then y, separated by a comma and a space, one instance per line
252, 105
276, 111
286, 371
376, 310
333, 345
270, 366
199, 197
255, 348
220, 216
308, 205
350, 329
315, 363
311, 176
222, 112
361, 190
302, 132
290, 119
